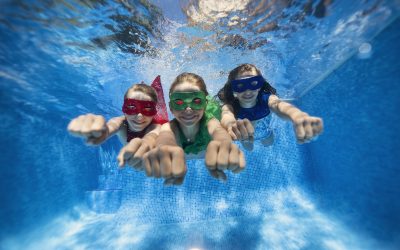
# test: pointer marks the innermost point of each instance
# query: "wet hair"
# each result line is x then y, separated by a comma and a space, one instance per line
142, 87
226, 94
191, 78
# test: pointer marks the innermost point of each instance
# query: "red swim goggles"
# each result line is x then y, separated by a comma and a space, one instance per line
134, 107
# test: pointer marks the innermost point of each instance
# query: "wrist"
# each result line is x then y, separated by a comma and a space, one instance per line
166, 138
297, 115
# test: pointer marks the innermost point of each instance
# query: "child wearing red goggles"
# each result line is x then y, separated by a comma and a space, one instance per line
144, 111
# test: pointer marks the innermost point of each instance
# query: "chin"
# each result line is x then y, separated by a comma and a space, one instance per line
188, 122
138, 127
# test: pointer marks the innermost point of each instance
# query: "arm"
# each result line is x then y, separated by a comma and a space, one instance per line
166, 135
94, 128
114, 125
284, 109
166, 160
151, 135
221, 153
306, 127
133, 152
217, 132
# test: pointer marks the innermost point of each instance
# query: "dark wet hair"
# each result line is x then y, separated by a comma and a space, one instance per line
142, 87
226, 94
191, 78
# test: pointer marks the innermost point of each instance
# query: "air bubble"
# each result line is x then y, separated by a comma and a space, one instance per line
364, 51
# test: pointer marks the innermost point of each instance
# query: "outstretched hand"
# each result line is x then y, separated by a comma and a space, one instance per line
91, 127
166, 162
240, 129
132, 153
224, 155
307, 128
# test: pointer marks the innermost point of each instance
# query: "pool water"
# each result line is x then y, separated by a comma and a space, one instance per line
335, 60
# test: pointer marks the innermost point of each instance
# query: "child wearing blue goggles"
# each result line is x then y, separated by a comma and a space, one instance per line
248, 101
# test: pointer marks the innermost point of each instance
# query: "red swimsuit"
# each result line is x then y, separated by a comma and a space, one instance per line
130, 134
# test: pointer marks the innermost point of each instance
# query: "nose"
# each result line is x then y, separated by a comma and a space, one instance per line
139, 116
189, 109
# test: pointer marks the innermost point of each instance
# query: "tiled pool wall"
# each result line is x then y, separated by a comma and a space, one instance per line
354, 169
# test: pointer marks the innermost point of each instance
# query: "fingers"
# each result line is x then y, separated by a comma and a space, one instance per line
146, 162
155, 165
167, 162
129, 153
211, 155
307, 128
237, 161
88, 126
299, 130
231, 133
166, 165
178, 162
223, 155
136, 160
242, 163
233, 157
249, 127
243, 130
317, 126
236, 131
74, 127
98, 125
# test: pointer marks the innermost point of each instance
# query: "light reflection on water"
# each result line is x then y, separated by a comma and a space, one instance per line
292, 222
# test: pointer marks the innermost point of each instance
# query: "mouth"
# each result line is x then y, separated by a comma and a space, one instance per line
189, 117
136, 122
248, 97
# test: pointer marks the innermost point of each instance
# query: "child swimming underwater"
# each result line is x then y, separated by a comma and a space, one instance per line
194, 130
137, 128
248, 101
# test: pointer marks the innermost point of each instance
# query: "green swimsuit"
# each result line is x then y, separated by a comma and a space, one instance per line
213, 110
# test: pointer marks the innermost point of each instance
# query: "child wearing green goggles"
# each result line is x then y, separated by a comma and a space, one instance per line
195, 129
181, 100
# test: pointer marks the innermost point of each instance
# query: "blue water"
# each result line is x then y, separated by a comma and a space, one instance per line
62, 59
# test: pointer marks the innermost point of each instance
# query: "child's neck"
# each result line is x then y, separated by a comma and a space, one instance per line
190, 132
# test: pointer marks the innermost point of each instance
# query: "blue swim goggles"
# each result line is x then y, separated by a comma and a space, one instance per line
251, 83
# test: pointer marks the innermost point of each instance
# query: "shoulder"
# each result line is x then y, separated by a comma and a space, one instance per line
155, 128
264, 96
227, 107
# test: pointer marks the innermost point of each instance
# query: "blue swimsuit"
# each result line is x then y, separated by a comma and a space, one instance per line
260, 113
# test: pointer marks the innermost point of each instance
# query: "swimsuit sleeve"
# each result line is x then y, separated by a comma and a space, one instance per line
213, 110
264, 97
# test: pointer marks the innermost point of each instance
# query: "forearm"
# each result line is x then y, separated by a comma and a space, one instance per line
227, 116
285, 110
114, 125
217, 132
220, 134
150, 139
166, 136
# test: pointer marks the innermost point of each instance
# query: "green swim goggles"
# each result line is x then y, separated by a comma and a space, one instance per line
182, 100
